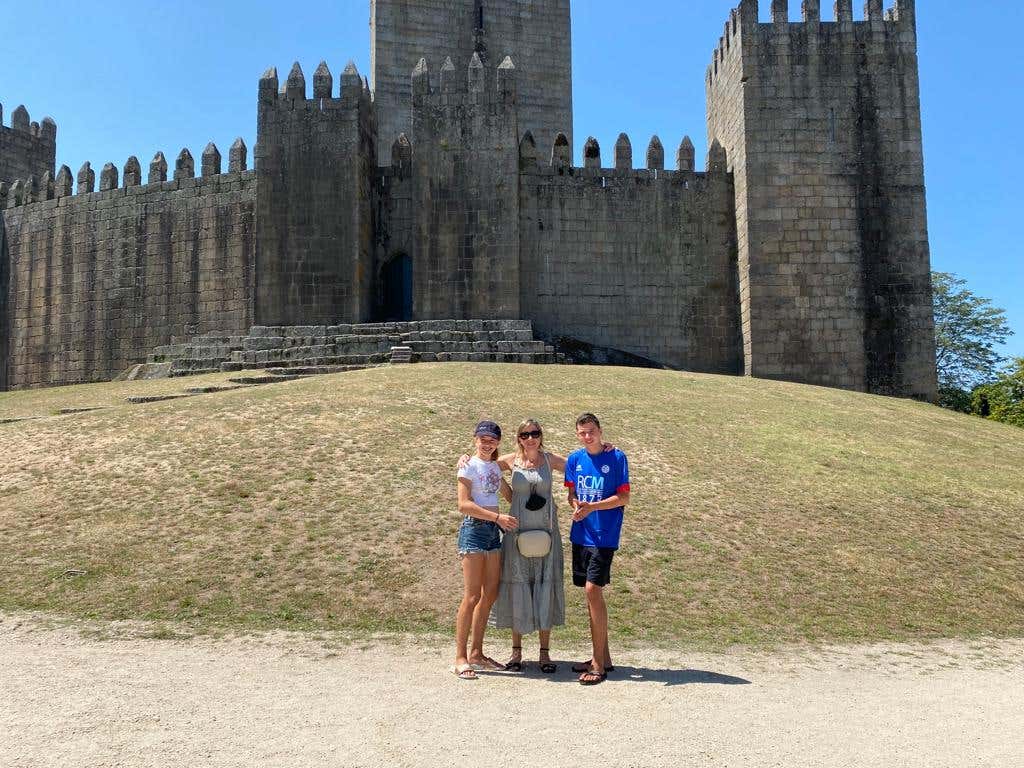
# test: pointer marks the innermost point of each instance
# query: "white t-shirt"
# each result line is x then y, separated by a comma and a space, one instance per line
486, 479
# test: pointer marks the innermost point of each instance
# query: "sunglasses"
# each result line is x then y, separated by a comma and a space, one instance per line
535, 434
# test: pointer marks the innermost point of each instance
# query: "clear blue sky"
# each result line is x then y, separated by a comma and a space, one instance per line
123, 78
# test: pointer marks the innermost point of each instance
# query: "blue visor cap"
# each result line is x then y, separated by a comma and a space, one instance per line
488, 429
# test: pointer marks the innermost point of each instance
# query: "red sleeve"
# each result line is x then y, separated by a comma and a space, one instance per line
570, 484
624, 488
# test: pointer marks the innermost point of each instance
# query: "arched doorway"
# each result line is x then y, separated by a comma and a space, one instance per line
396, 279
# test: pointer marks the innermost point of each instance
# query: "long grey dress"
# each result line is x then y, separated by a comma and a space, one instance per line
531, 595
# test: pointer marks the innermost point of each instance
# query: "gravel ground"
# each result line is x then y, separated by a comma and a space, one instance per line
70, 699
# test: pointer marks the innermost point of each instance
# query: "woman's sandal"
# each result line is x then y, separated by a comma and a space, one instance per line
584, 666
547, 667
464, 672
515, 666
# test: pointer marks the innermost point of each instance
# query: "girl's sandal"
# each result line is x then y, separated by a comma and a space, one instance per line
547, 667
464, 672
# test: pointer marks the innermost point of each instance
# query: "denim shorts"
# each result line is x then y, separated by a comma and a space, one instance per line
478, 536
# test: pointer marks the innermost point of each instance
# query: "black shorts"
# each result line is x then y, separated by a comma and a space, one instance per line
593, 564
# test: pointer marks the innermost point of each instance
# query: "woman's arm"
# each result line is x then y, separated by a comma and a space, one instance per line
506, 490
504, 462
557, 462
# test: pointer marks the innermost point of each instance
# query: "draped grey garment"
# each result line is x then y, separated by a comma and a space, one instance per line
531, 595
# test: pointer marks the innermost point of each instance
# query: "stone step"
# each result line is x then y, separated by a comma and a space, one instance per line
361, 361
268, 379
315, 370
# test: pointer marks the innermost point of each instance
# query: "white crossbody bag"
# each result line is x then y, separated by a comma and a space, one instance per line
537, 542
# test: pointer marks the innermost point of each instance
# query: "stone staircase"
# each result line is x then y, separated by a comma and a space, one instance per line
308, 350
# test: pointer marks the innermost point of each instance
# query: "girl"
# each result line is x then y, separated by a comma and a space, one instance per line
479, 548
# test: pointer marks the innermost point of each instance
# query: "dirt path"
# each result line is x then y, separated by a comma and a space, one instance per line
68, 700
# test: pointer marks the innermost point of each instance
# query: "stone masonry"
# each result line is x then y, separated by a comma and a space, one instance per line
447, 193
822, 128
27, 148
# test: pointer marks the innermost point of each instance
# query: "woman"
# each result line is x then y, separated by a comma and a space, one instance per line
479, 483
531, 597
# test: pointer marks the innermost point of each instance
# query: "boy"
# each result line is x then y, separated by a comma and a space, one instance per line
598, 483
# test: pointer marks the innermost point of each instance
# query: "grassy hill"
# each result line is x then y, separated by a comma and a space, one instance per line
762, 512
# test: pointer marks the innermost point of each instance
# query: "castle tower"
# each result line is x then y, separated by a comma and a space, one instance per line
535, 33
821, 124
315, 164
465, 247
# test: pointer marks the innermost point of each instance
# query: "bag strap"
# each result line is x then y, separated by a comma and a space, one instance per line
551, 496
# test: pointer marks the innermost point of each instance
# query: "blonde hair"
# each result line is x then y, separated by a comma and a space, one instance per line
520, 453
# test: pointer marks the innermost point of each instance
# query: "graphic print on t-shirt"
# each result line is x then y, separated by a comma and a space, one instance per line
594, 479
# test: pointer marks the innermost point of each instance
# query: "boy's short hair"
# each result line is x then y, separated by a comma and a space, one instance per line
587, 418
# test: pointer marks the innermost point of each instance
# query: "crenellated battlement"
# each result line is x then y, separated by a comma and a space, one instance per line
479, 85
20, 121
353, 90
112, 183
560, 161
792, 40
26, 147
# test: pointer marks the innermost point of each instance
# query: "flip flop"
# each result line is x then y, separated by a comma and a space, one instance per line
593, 678
487, 664
464, 672
584, 666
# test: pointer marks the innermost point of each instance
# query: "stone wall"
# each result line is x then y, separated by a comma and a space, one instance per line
98, 279
465, 249
535, 33
5, 332
26, 148
642, 261
316, 164
821, 123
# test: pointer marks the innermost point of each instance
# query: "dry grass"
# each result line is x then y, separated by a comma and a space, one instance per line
762, 512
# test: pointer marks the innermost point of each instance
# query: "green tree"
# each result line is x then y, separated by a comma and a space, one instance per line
967, 329
1002, 399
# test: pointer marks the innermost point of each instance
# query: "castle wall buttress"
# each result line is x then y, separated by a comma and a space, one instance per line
315, 164
821, 125
536, 34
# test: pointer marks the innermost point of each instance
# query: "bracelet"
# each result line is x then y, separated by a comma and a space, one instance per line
496, 516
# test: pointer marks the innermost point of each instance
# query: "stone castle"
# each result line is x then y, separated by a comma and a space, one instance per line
445, 189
